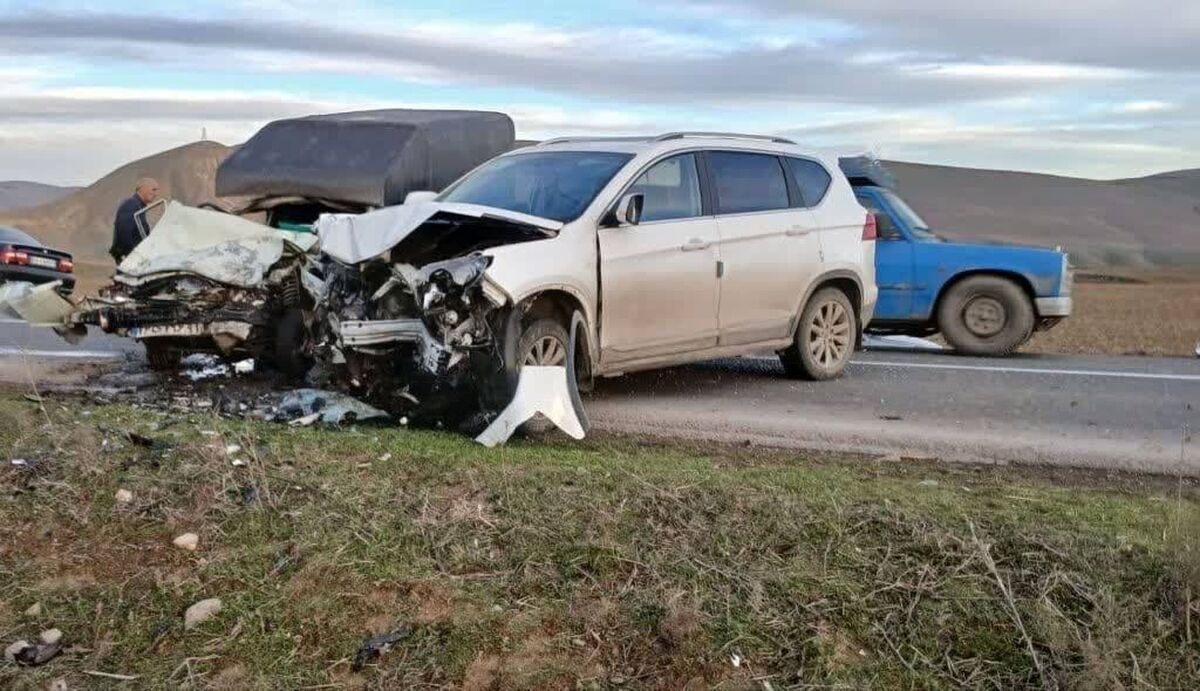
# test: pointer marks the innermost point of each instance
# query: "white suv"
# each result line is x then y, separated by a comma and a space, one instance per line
657, 251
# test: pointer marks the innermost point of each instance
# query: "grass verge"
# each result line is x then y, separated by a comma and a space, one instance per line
608, 564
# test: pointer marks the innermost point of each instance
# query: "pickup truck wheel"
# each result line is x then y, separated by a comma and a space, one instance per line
543, 344
161, 356
824, 339
986, 315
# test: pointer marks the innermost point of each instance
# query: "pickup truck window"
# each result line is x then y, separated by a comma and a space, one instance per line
812, 179
905, 214
670, 189
747, 182
557, 185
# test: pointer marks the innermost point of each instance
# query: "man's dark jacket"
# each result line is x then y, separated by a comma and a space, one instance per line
125, 230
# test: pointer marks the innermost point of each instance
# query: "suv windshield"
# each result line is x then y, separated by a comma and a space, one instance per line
557, 185
918, 226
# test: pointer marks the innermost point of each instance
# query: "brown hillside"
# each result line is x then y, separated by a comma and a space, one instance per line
1152, 221
81, 223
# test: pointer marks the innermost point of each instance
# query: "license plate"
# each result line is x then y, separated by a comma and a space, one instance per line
43, 262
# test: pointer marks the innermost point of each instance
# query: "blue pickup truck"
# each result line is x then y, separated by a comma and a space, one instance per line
983, 299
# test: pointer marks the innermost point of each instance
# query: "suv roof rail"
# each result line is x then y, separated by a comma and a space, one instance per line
723, 135
568, 140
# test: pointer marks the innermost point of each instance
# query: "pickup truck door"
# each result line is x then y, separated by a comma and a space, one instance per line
658, 279
894, 271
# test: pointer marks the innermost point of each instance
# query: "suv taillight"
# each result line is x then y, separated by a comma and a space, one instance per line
11, 256
66, 265
870, 230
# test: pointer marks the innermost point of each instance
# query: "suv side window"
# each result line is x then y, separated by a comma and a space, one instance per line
812, 179
746, 182
883, 222
670, 189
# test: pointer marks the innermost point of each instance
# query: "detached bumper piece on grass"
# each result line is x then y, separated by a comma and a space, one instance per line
207, 281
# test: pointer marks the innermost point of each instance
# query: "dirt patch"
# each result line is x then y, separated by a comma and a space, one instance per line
433, 602
1154, 315
482, 674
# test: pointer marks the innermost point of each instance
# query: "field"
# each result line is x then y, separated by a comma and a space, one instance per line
1129, 314
606, 564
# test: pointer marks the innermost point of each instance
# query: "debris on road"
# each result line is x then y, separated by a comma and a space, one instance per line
308, 406
375, 646
201, 612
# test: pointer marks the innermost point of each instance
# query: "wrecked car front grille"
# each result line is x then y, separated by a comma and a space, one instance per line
366, 333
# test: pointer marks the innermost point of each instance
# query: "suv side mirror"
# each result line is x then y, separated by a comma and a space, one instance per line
629, 210
419, 196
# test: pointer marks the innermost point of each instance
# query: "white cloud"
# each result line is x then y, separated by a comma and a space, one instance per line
1141, 107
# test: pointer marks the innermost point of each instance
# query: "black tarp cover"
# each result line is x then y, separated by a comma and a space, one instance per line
866, 170
374, 158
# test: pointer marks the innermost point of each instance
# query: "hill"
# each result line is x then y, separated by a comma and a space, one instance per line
81, 222
1151, 221
21, 194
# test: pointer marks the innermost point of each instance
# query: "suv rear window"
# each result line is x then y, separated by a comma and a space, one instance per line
747, 182
812, 179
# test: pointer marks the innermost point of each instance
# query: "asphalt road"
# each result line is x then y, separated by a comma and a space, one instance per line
1103, 412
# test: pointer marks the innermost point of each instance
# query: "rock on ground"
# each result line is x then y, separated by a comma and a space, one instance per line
201, 612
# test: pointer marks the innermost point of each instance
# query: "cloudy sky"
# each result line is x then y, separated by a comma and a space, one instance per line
1097, 88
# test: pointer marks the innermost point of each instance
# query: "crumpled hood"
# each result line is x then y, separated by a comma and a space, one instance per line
355, 238
216, 245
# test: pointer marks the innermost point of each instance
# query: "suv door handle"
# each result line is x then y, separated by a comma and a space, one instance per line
797, 231
695, 244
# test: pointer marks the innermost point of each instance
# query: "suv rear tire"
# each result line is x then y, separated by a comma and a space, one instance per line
825, 338
986, 315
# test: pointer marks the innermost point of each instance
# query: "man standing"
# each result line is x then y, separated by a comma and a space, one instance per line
126, 235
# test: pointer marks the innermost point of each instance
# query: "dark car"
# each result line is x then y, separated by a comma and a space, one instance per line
23, 258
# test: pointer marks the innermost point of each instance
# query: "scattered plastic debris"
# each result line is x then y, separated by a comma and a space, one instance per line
202, 366
244, 366
875, 342
304, 407
20, 462
373, 647
123, 496
48, 646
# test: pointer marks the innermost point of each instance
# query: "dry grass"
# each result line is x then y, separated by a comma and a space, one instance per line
1158, 317
607, 564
